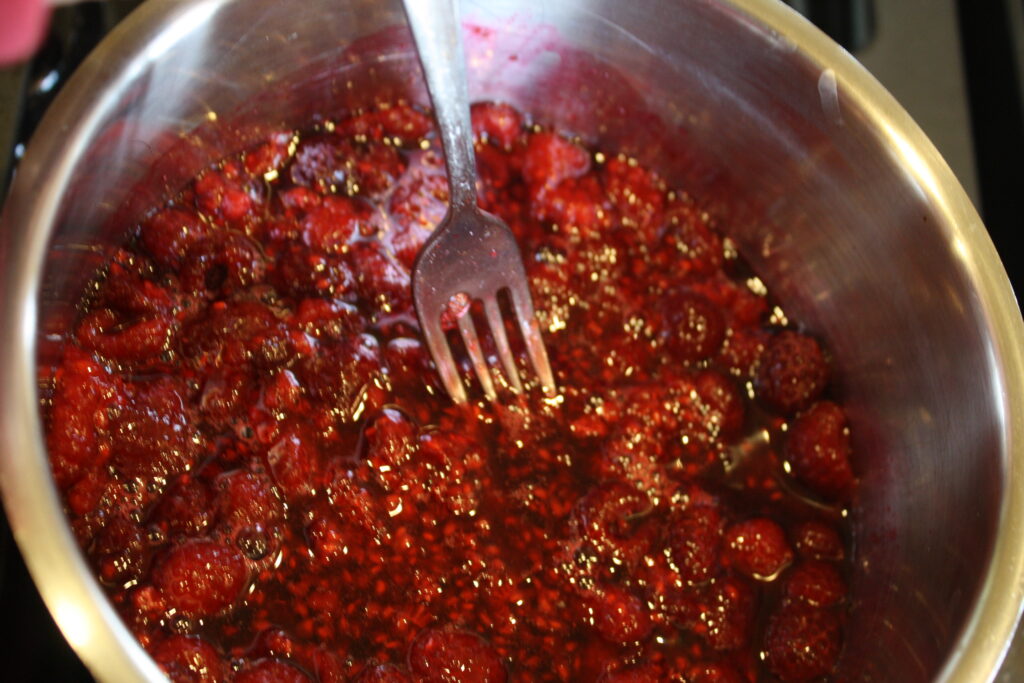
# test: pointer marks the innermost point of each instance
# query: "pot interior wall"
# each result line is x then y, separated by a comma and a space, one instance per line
821, 203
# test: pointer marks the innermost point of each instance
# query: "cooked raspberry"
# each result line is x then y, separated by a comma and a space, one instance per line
741, 351
328, 319
224, 334
321, 163
793, 372
818, 541
717, 672
296, 202
328, 539
691, 239
246, 500
550, 159
184, 509
222, 263
124, 340
575, 204
151, 436
408, 363
383, 673
694, 328
619, 616
275, 642
222, 197
339, 372
189, 659
168, 235
282, 392
294, 462
417, 206
128, 289
756, 547
694, 541
224, 394
376, 168
301, 271
118, 551
497, 123
271, 671
637, 195
381, 280
816, 583
818, 449
396, 121
200, 578
644, 673
453, 656
495, 170
608, 516
86, 495
390, 439
724, 403
269, 156
802, 643
721, 612
330, 226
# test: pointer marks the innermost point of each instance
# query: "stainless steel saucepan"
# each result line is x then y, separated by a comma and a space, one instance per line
835, 196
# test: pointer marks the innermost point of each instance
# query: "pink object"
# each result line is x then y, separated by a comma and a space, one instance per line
22, 26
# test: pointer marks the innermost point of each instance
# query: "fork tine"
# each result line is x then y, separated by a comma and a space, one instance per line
497, 326
523, 305
472, 342
437, 343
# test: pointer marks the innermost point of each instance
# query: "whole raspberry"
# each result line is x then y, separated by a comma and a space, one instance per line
818, 450
793, 372
694, 328
168, 235
118, 550
200, 578
643, 673
721, 612
497, 123
608, 516
453, 656
294, 462
818, 540
694, 541
802, 643
691, 239
383, 673
189, 659
816, 583
271, 671
725, 405
620, 616
757, 548
550, 159
714, 672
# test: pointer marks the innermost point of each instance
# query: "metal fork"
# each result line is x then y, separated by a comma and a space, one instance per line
471, 253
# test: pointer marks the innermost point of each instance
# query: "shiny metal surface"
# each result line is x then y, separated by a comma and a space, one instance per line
836, 197
471, 253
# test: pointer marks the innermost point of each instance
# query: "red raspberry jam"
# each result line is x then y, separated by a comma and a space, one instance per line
259, 461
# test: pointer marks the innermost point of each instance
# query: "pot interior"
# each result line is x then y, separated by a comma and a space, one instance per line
825, 203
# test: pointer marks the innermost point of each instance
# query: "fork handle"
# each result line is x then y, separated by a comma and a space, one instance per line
436, 28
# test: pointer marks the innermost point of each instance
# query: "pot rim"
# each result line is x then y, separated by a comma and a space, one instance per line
72, 594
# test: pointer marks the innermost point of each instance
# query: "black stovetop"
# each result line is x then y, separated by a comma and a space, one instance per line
973, 50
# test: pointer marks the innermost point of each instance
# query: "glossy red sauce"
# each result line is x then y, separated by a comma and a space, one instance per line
260, 464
